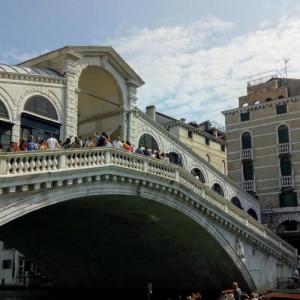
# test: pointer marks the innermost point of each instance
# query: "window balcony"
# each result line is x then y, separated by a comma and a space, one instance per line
284, 148
286, 182
249, 185
247, 153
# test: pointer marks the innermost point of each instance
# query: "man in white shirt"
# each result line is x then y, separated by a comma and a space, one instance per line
52, 143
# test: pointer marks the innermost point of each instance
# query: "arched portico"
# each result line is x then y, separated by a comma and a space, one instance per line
100, 102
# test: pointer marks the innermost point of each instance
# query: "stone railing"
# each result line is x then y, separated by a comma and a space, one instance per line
249, 185
286, 181
284, 148
247, 153
18, 164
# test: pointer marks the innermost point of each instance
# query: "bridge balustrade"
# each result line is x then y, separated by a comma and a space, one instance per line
16, 164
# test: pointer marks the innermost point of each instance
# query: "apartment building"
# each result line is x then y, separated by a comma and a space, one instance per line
263, 150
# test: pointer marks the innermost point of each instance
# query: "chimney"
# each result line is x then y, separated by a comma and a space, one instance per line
151, 112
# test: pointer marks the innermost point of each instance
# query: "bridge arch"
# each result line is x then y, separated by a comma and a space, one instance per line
109, 185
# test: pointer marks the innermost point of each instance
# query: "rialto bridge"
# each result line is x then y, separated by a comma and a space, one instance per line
110, 218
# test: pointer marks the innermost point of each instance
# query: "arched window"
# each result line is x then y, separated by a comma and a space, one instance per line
268, 99
252, 213
175, 158
41, 106
236, 202
198, 174
3, 111
256, 102
280, 97
283, 134
147, 140
218, 189
285, 166
245, 104
246, 140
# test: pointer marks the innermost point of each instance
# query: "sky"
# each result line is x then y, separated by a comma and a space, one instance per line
195, 56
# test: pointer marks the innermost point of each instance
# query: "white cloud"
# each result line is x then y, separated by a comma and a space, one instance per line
13, 55
190, 72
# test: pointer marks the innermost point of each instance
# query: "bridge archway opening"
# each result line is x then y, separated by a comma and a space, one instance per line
198, 174
175, 158
218, 189
99, 103
252, 213
236, 202
148, 141
122, 242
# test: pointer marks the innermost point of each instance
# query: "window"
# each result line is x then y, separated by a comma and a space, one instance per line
283, 134
236, 202
252, 213
246, 140
6, 264
281, 109
3, 111
288, 199
218, 189
198, 174
207, 141
41, 106
190, 134
222, 147
245, 116
285, 166
147, 140
248, 170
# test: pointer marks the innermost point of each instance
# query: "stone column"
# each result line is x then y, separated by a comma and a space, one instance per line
132, 99
71, 98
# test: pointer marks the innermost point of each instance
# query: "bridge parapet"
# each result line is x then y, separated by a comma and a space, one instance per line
16, 167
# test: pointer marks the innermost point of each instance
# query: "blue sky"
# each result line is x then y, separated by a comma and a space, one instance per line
194, 55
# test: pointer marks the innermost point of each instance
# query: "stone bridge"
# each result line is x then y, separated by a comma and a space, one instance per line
32, 181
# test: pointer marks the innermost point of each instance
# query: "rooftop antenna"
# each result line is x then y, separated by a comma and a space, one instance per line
285, 60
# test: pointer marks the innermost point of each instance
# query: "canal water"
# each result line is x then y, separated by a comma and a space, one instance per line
93, 294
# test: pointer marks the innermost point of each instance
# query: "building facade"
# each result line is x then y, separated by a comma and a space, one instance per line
263, 147
204, 139
15, 269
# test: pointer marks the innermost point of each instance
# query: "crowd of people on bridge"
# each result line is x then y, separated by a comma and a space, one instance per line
96, 140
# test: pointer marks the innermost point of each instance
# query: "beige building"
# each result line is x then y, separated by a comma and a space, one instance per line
263, 147
206, 139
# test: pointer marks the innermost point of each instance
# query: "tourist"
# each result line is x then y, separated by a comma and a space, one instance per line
23, 145
102, 140
139, 150
254, 296
126, 146
147, 152
52, 143
90, 143
117, 143
31, 144
107, 140
43, 145
194, 295
67, 143
77, 143
237, 293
